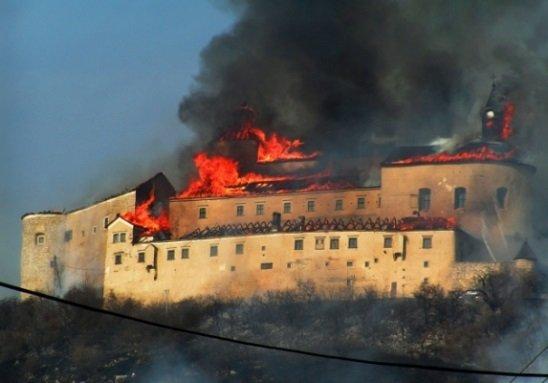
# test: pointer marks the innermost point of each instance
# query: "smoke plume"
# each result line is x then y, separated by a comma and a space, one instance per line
345, 74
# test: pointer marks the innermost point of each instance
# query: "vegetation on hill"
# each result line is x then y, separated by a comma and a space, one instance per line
496, 328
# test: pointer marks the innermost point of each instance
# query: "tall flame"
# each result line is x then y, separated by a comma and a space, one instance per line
508, 116
142, 217
273, 147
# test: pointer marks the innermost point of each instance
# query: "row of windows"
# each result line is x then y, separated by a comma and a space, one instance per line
287, 207
459, 200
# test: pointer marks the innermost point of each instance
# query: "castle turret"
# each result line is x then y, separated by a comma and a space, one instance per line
495, 115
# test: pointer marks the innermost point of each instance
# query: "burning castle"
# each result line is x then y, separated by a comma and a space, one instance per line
261, 214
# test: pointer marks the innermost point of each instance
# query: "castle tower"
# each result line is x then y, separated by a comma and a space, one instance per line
492, 114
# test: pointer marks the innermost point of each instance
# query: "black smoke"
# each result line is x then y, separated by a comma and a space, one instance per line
346, 72
348, 76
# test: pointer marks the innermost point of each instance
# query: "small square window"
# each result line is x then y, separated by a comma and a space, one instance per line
352, 243
239, 248
289, 265
426, 242
213, 250
105, 222
287, 207
68, 235
334, 243
94, 229
425, 280
376, 260
232, 268
115, 238
118, 259
299, 244
39, 239
387, 242
339, 204
202, 213
122, 237
170, 255
361, 203
426, 264
263, 248
320, 243
259, 209
349, 264
185, 253
311, 206
141, 257
266, 266
366, 263
239, 210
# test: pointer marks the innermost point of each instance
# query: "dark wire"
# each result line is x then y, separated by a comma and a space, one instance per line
270, 347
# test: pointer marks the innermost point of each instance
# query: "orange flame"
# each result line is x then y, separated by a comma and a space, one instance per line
219, 176
272, 147
143, 218
508, 116
483, 153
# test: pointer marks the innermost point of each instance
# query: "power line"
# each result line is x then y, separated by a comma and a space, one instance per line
530, 363
271, 347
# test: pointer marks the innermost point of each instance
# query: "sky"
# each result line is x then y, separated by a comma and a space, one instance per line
89, 94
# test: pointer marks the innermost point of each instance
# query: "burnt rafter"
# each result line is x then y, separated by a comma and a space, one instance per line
325, 224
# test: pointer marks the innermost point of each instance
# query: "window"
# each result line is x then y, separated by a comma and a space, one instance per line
239, 248
185, 253
366, 263
288, 265
387, 242
94, 229
338, 204
141, 257
376, 260
259, 209
425, 280
299, 244
287, 207
239, 210
115, 238
352, 243
118, 258
320, 243
213, 250
232, 268
170, 255
83, 233
202, 213
122, 237
334, 243
39, 239
349, 263
425, 264
502, 192
426, 242
424, 199
311, 206
266, 266
360, 203
68, 235
105, 222
460, 198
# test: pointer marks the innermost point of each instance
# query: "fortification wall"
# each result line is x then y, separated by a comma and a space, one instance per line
481, 215
270, 262
185, 213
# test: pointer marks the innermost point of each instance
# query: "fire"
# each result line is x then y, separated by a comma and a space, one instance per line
219, 176
482, 153
508, 116
143, 218
273, 147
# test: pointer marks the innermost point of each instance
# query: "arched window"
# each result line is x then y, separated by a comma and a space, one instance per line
502, 192
460, 198
424, 199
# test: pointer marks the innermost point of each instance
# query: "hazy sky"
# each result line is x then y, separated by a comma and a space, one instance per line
89, 93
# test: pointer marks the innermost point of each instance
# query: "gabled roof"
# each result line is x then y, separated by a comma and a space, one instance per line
526, 253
